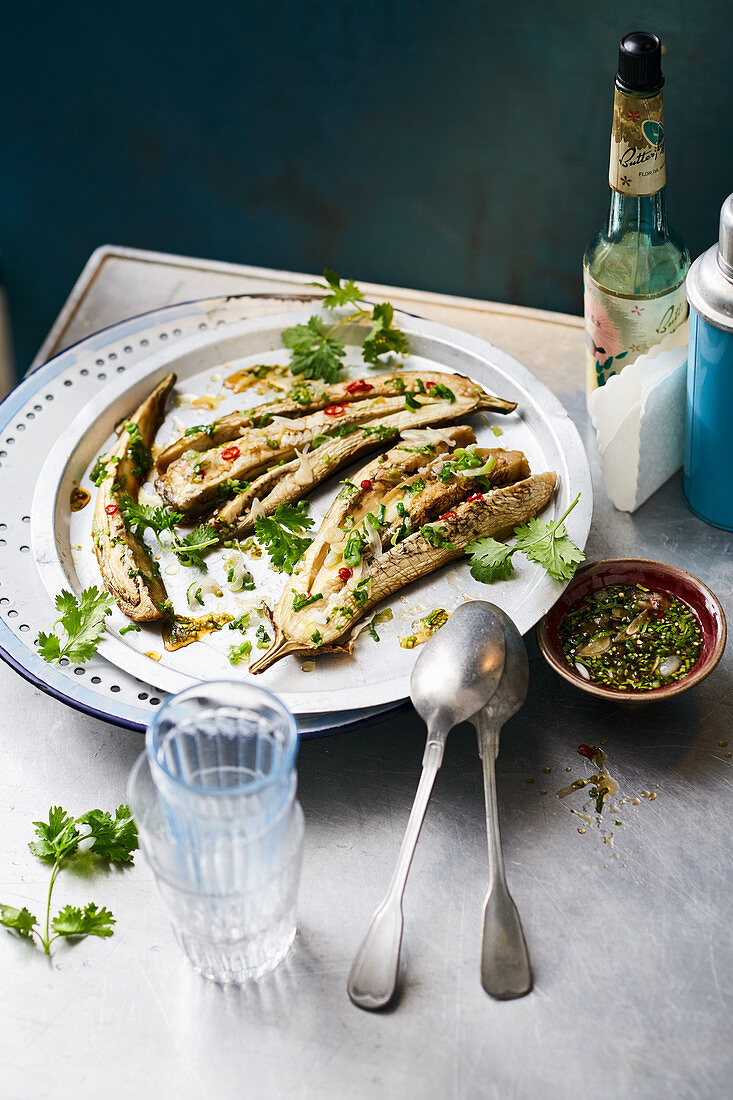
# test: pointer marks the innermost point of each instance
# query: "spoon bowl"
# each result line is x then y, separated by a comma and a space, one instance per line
460, 667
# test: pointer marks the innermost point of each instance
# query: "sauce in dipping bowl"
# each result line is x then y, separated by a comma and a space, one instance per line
633, 629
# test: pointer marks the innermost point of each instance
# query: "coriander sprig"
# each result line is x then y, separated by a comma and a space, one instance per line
187, 548
547, 544
316, 352
82, 621
280, 535
58, 841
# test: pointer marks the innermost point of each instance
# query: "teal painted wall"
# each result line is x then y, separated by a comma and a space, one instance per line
456, 147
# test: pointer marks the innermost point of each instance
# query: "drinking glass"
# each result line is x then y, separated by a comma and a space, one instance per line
214, 798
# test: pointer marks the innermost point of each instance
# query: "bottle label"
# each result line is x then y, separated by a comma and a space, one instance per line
618, 330
637, 145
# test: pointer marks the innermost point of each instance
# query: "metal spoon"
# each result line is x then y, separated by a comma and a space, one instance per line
505, 968
456, 673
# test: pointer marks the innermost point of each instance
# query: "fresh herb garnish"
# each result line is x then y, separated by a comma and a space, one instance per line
301, 393
207, 429
302, 599
435, 536
263, 638
317, 353
129, 629
316, 637
383, 336
231, 488
546, 544
113, 839
411, 402
349, 490
416, 487
239, 653
279, 535
490, 560
103, 468
82, 621
142, 456
442, 391
242, 623
187, 548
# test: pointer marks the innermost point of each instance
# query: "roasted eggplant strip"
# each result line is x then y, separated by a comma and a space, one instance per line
332, 587
192, 483
128, 572
308, 397
291, 482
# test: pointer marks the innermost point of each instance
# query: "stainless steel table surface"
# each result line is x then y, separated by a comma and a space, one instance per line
630, 936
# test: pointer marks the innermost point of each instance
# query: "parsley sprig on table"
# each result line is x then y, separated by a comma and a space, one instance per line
547, 544
59, 840
187, 548
280, 535
316, 352
82, 622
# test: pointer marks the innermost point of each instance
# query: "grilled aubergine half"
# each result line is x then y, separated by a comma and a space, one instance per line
308, 397
402, 516
287, 456
129, 573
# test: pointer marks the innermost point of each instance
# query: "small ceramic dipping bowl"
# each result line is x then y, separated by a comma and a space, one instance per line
659, 577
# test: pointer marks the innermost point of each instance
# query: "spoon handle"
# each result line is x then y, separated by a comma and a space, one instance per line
373, 975
505, 968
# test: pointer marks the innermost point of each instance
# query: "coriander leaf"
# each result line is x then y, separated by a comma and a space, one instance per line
89, 921
278, 534
83, 624
382, 336
340, 294
115, 838
18, 920
57, 837
490, 560
549, 545
188, 549
315, 354
49, 647
140, 517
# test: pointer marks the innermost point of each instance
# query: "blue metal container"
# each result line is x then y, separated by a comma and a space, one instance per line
708, 480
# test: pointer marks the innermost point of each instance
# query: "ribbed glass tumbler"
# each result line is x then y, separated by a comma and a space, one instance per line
214, 799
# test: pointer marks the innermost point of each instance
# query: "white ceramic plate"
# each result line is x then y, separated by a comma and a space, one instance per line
374, 675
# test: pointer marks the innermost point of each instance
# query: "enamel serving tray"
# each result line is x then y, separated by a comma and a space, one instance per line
67, 411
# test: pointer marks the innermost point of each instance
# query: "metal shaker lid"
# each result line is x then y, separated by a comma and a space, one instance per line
709, 283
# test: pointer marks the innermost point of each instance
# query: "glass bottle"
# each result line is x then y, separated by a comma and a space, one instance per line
634, 266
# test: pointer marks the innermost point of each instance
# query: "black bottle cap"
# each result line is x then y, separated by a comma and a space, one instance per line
639, 62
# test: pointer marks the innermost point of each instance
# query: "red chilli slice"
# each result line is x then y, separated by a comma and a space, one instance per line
587, 750
334, 410
429, 385
110, 509
476, 496
230, 453
366, 483
345, 574
359, 386
449, 515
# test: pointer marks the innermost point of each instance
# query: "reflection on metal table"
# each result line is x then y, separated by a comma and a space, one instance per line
628, 925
